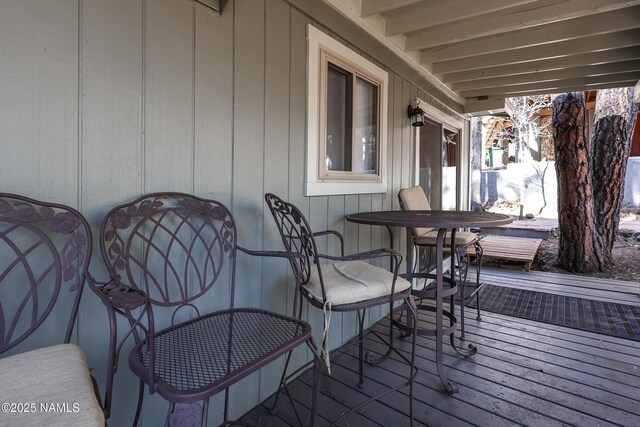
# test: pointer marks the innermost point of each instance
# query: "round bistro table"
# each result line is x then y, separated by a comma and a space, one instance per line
442, 221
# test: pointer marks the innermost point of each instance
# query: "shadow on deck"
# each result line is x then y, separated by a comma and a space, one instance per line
525, 373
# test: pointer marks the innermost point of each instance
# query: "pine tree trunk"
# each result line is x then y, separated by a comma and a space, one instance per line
580, 247
611, 147
608, 167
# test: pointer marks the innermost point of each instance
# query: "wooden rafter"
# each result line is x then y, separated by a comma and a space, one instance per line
484, 51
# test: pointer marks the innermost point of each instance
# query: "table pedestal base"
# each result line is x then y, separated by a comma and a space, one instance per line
441, 314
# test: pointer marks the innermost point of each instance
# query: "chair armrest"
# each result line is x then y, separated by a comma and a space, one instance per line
119, 295
280, 254
295, 259
121, 298
376, 253
335, 233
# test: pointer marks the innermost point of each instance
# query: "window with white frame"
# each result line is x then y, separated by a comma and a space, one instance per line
346, 120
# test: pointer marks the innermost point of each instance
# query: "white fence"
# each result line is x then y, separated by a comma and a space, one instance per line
527, 180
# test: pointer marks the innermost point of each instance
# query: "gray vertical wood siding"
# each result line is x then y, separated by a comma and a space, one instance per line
105, 100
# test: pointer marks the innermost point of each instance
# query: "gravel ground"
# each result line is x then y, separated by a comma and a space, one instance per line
626, 251
626, 255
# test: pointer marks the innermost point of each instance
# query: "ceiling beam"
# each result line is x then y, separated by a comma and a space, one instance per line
492, 104
388, 48
484, 107
371, 7
579, 88
582, 59
552, 86
438, 12
534, 53
549, 76
512, 19
602, 23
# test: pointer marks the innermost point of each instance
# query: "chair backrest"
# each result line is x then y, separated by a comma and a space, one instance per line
172, 246
45, 249
414, 199
296, 234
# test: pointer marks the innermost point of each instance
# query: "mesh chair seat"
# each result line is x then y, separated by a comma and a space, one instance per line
199, 358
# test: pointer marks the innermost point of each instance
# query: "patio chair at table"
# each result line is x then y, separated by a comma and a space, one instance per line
344, 284
45, 249
164, 253
414, 198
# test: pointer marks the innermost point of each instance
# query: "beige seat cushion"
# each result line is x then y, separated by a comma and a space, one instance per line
53, 378
414, 199
349, 282
463, 238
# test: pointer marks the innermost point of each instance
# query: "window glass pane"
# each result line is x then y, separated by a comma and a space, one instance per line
430, 176
366, 127
449, 170
338, 119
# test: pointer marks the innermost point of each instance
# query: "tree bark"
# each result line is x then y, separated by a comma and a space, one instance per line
611, 147
580, 247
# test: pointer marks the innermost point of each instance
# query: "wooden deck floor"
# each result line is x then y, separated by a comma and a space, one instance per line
525, 372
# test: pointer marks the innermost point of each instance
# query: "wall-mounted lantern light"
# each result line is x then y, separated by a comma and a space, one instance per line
416, 114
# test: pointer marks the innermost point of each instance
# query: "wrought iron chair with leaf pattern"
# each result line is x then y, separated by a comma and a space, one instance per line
164, 253
45, 249
344, 284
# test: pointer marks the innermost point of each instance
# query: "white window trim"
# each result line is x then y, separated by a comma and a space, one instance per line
314, 186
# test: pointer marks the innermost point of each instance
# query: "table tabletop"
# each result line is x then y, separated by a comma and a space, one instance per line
430, 218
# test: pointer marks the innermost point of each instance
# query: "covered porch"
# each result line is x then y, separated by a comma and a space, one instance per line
104, 101
525, 372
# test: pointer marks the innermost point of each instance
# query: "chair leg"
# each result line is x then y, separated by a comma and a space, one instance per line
411, 307
272, 409
316, 380
205, 413
478, 248
361, 347
172, 407
317, 366
462, 258
139, 405
413, 372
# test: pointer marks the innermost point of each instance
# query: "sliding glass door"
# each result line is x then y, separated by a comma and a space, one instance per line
437, 154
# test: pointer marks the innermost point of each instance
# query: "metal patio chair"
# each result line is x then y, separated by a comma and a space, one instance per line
164, 252
414, 198
45, 249
344, 284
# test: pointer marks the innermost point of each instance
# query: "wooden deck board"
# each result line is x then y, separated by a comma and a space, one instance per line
525, 373
504, 248
569, 285
581, 283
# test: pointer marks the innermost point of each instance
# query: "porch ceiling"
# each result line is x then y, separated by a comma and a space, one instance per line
480, 52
